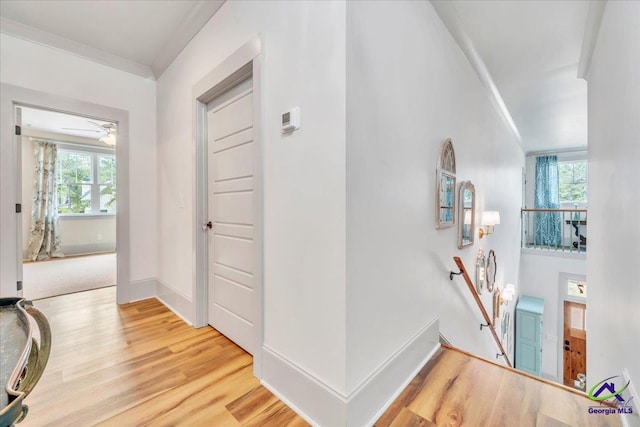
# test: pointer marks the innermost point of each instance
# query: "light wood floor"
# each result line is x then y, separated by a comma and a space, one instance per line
139, 364
457, 389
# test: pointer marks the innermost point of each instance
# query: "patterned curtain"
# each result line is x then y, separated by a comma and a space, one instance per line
44, 240
548, 224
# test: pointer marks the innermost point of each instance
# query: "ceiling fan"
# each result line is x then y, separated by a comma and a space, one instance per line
108, 131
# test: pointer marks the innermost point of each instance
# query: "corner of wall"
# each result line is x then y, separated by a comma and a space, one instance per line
179, 304
321, 405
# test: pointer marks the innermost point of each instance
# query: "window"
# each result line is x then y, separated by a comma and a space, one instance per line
573, 181
576, 288
86, 182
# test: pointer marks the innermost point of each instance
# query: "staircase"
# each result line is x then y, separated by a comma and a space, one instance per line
456, 388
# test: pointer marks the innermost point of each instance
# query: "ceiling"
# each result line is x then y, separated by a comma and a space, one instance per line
140, 36
60, 123
531, 50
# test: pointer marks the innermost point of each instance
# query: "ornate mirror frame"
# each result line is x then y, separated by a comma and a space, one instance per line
446, 186
466, 214
481, 272
491, 270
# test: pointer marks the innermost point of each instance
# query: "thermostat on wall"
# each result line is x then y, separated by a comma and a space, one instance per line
291, 120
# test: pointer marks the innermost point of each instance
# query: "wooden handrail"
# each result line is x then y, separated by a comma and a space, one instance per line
487, 319
554, 210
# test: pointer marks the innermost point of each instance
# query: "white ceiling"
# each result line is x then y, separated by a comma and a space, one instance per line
60, 123
141, 36
532, 50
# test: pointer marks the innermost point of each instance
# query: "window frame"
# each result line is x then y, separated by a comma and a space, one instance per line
94, 153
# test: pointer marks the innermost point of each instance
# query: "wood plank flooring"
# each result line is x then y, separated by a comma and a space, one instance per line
138, 365
458, 389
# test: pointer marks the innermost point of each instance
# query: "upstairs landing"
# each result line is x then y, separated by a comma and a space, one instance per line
455, 389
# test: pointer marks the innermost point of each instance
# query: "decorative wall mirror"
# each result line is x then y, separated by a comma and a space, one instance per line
491, 270
446, 186
481, 273
466, 214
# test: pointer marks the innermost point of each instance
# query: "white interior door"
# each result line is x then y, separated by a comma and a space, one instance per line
231, 210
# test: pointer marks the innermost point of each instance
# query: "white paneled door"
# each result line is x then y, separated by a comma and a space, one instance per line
231, 212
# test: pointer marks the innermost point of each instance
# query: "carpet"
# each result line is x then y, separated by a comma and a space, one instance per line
58, 276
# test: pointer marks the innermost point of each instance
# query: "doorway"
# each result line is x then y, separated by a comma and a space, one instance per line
68, 189
575, 345
229, 255
572, 330
10, 180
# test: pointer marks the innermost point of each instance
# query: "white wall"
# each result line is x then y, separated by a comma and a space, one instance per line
37, 67
409, 87
304, 182
613, 317
540, 277
79, 235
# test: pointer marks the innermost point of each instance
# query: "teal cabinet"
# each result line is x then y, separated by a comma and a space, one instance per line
528, 355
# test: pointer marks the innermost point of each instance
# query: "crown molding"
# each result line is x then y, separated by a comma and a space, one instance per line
192, 24
591, 30
452, 22
34, 35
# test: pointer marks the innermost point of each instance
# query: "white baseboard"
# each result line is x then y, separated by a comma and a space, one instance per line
178, 303
308, 396
631, 420
375, 394
142, 289
321, 405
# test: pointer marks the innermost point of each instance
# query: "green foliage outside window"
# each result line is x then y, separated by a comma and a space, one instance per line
74, 182
573, 181
78, 185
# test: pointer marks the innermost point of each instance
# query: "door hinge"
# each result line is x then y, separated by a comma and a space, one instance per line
19, 285
18, 130
18, 207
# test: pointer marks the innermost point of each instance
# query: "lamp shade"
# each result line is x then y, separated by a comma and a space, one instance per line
508, 292
490, 218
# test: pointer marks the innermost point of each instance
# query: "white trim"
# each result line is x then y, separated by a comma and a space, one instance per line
584, 150
635, 402
451, 19
591, 30
320, 404
553, 253
142, 289
34, 35
12, 96
175, 301
377, 392
316, 402
200, 14
243, 63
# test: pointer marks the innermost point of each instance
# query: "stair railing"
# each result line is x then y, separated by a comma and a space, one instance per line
487, 319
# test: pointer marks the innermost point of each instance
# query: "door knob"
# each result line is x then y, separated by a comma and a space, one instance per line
566, 347
206, 226
566, 342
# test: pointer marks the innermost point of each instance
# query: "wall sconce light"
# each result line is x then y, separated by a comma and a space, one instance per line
507, 294
489, 220
500, 298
